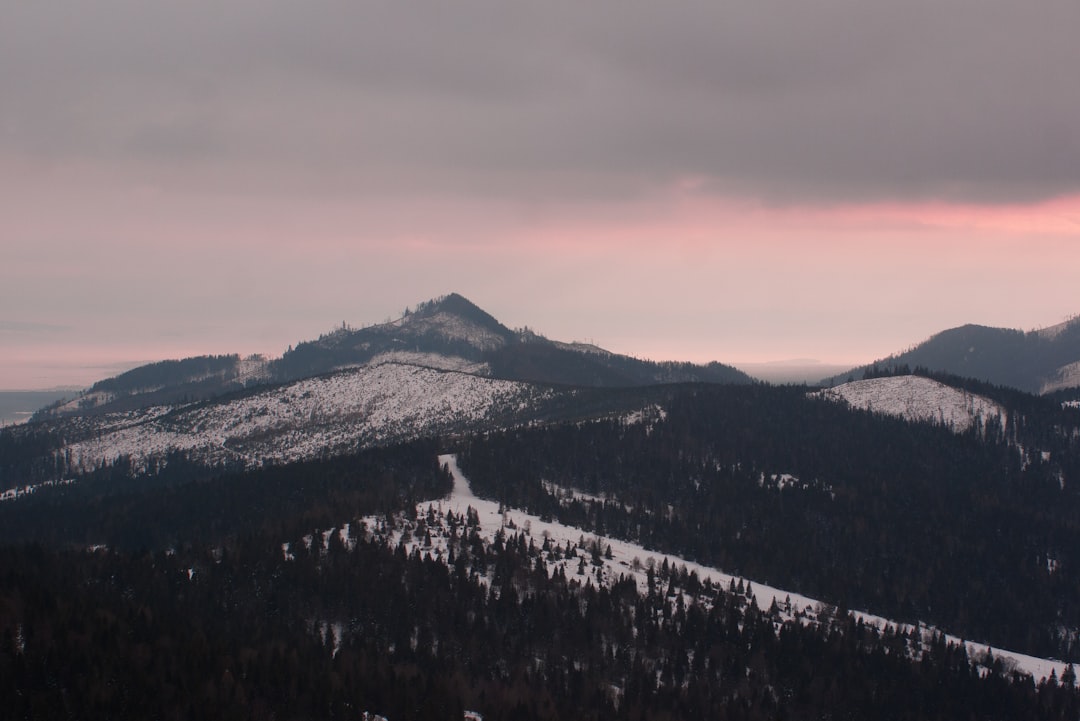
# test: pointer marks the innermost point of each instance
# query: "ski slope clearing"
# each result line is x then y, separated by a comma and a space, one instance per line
436, 361
915, 398
602, 560
314, 417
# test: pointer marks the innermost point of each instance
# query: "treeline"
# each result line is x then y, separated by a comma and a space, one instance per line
906, 520
179, 502
347, 626
28, 455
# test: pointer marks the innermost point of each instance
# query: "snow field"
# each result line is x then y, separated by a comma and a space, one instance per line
915, 398
307, 419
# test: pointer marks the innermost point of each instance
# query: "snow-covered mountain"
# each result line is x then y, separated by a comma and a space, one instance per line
330, 414
1038, 361
448, 333
915, 398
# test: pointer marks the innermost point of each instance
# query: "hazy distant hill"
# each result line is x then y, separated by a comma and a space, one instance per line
165, 382
18, 406
1038, 361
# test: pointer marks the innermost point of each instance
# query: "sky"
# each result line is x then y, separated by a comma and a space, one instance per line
742, 182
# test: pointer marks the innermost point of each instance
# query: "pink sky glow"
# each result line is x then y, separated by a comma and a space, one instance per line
692, 181
684, 278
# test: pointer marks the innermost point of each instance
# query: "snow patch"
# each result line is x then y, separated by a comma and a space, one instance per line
915, 398
85, 401
452, 327
650, 414
432, 360
17, 492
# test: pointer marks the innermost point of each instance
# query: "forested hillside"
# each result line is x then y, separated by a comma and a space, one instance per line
975, 532
177, 588
339, 625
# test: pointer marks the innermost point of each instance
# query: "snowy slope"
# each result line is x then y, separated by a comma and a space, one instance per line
915, 398
309, 418
1067, 376
452, 326
629, 560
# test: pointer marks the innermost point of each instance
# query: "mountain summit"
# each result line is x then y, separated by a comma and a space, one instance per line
453, 333
450, 333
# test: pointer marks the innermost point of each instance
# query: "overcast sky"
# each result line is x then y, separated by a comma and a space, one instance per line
678, 180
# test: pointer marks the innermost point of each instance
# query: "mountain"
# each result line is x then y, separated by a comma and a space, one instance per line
452, 333
1039, 361
449, 333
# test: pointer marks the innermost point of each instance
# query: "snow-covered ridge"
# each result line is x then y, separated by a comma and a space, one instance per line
310, 418
609, 559
916, 398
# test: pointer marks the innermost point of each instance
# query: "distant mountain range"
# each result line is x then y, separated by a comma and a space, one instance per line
453, 334
445, 368
1040, 361
449, 333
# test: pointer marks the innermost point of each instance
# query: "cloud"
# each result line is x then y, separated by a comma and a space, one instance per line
817, 102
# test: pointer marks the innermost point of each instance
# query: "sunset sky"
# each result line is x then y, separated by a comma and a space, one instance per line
741, 182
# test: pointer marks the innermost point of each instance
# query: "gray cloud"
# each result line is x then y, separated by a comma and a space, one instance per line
26, 328
816, 101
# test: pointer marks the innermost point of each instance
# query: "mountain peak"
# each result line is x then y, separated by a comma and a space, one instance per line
456, 318
456, 304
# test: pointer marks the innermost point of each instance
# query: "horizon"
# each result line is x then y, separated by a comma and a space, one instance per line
681, 182
775, 370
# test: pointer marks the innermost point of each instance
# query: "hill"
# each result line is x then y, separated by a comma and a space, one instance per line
1039, 361
916, 398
